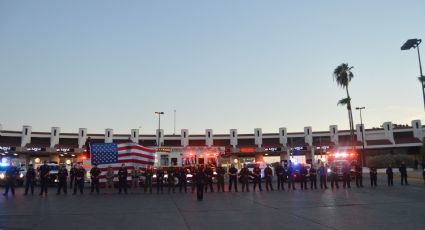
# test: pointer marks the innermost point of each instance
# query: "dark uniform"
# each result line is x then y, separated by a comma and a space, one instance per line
403, 174
182, 175
346, 170
62, 176
220, 178
233, 175
72, 176
373, 177
323, 174
359, 175
390, 176
30, 180
268, 173
95, 176
244, 173
11, 174
159, 180
334, 177
290, 172
171, 180
257, 177
209, 179
193, 171
79, 180
44, 171
313, 177
303, 178
200, 178
122, 179
148, 180
280, 177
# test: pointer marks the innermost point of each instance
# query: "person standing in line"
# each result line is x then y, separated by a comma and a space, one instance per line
268, 174
334, 177
159, 180
390, 175
72, 175
110, 178
280, 177
244, 173
233, 178
346, 170
220, 178
290, 172
135, 175
62, 177
10, 174
44, 172
182, 179
122, 179
359, 175
95, 176
30, 180
171, 179
208, 178
148, 180
200, 179
403, 173
193, 171
313, 177
373, 177
79, 179
303, 177
257, 177
323, 173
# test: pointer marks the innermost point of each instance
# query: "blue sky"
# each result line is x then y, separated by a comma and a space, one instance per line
220, 64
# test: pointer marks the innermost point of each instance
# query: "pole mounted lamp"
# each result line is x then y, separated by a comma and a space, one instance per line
414, 43
159, 127
363, 134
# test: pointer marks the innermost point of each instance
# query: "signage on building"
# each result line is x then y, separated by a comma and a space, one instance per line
273, 149
36, 149
64, 150
5, 148
248, 150
163, 150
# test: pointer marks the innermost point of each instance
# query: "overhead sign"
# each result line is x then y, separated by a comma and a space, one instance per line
248, 150
273, 149
163, 150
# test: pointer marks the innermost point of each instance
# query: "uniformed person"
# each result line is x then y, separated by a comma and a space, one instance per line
62, 178
159, 180
95, 176
10, 174
182, 175
30, 179
313, 177
171, 179
257, 177
220, 178
233, 178
390, 175
200, 179
110, 177
280, 177
72, 175
346, 170
244, 174
303, 177
44, 172
323, 174
135, 176
208, 179
268, 174
290, 172
193, 171
79, 179
359, 175
122, 179
148, 180
373, 177
334, 177
403, 173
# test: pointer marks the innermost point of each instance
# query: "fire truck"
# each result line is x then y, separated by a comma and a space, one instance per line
339, 159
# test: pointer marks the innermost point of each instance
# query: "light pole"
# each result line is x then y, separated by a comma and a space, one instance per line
362, 131
159, 128
414, 43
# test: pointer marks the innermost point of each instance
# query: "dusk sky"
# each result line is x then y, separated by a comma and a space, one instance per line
220, 64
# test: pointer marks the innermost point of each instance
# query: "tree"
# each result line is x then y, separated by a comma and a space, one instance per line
343, 75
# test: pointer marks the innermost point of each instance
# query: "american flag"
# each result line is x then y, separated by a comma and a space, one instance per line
112, 154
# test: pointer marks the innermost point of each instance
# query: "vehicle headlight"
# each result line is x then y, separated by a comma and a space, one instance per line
154, 176
1, 175
21, 175
189, 175
329, 170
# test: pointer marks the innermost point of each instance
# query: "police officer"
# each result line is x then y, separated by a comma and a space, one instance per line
30, 179
313, 177
122, 179
257, 177
390, 175
268, 173
303, 177
135, 175
346, 170
323, 173
233, 178
290, 172
220, 178
44, 172
95, 176
11, 174
79, 179
159, 180
72, 175
403, 173
193, 171
334, 177
200, 179
182, 179
373, 177
280, 177
208, 178
62, 176
148, 180
244, 173
171, 180
359, 175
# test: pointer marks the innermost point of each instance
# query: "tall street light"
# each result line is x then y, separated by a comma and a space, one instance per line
159, 127
414, 43
362, 131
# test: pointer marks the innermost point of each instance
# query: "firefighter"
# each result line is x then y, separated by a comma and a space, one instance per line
290, 172
346, 170
193, 171
390, 175
159, 180
182, 179
280, 177
200, 179
359, 175
72, 175
323, 174
95, 176
148, 180
30, 179
62, 177
122, 179
171, 180
220, 178
334, 177
10, 174
244, 173
79, 179
268, 173
403, 173
44, 172
208, 178
135, 175
233, 175
373, 177
303, 177
257, 177
313, 177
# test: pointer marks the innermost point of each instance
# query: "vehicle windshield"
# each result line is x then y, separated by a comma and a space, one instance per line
54, 167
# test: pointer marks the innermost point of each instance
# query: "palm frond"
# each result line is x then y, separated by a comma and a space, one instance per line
344, 101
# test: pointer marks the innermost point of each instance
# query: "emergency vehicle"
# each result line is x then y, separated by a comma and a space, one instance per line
339, 159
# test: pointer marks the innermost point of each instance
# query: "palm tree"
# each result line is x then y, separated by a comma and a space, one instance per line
343, 75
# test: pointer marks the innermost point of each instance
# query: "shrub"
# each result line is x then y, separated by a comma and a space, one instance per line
382, 161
